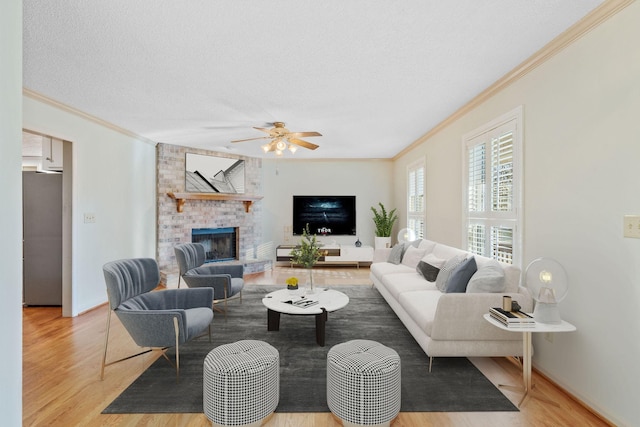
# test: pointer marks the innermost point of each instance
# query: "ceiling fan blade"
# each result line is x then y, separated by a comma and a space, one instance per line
302, 143
251, 139
303, 134
263, 130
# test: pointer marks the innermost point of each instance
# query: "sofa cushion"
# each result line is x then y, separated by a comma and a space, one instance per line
412, 256
381, 269
397, 284
446, 270
460, 276
488, 278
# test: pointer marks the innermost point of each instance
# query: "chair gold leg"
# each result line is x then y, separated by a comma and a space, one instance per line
106, 342
226, 296
175, 325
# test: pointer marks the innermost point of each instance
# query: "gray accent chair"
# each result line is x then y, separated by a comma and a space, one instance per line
158, 320
225, 279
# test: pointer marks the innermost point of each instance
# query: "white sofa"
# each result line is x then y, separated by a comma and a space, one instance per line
448, 324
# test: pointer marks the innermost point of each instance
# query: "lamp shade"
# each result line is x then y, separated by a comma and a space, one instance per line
547, 283
406, 235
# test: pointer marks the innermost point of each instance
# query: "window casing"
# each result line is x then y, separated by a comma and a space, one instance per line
416, 198
492, 177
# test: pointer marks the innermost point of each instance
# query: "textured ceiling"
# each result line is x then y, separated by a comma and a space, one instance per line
371, 76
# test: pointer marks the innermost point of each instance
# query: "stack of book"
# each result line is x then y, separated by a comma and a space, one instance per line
512, 319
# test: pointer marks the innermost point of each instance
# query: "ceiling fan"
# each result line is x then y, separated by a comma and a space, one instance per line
282, 138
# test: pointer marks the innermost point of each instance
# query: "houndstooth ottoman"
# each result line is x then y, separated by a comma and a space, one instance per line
363, 383
241, 383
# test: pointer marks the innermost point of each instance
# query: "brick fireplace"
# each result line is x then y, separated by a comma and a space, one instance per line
175, 227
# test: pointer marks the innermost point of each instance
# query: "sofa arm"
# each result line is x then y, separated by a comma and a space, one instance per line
381, 254
459, 316
233, 270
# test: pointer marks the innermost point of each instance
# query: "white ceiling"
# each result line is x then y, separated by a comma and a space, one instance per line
371, 76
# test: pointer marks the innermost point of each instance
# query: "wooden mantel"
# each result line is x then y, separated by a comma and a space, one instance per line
181, 197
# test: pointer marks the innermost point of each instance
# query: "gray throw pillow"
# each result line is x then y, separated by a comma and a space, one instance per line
488, 278
395, 256
446, 270
428, 271
459, 278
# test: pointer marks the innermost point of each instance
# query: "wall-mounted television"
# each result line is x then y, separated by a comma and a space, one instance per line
326, 215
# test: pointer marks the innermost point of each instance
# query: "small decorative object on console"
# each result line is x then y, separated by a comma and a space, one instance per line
292, 283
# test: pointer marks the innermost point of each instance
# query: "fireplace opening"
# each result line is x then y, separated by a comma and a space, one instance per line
220, 244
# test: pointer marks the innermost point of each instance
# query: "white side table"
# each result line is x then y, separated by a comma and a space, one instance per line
527, 350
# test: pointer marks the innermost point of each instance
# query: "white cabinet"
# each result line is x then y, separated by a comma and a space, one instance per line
352, 254
335, 254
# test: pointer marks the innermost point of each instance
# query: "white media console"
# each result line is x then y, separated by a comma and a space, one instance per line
335, 254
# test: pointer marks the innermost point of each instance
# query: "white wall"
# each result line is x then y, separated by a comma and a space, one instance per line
581, 153
370, 181
113, 178
11, 213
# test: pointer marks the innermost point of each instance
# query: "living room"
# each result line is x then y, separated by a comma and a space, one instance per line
581, 141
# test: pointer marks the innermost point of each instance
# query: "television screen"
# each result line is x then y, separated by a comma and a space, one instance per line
326, 215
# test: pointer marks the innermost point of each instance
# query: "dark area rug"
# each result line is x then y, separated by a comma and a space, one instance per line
454, 385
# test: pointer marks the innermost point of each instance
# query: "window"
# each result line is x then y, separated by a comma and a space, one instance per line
415, 198
492, 177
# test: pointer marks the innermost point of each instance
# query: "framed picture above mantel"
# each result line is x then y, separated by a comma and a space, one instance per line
212, 174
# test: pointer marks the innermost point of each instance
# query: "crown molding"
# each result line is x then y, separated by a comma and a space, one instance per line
46, 100
597, 16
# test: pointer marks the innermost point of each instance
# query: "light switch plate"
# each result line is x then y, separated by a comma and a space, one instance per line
631, 224
89, 218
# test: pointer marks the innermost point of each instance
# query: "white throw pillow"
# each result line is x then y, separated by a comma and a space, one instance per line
412, 256
490, 277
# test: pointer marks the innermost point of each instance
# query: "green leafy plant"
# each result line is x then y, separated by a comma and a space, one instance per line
308, 252
383, 220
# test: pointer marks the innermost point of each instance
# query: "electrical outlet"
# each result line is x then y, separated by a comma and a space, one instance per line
89, 218
631, 226
548, 336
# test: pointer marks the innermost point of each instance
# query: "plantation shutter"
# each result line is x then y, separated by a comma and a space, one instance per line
416, 198
492, 184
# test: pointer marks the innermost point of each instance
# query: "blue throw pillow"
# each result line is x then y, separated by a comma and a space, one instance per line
460, 276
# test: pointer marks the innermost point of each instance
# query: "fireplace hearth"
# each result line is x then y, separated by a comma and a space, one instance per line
220, 244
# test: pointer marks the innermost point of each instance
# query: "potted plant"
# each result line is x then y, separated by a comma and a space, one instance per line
307, 253
384, 223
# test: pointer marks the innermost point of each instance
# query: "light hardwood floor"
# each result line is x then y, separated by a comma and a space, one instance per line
62, 386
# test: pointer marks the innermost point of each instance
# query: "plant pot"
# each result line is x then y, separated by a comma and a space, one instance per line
382, 242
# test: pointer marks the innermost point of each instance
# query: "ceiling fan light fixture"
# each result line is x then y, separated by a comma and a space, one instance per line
282, 139
280, 144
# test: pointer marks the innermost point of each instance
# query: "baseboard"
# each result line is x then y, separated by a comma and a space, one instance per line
573, 397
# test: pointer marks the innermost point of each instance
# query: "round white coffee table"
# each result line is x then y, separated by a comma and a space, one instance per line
282, 301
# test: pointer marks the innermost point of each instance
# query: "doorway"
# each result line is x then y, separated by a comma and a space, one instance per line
47, 220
